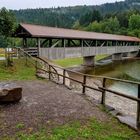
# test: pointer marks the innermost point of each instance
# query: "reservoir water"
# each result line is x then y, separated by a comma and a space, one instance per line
126, 69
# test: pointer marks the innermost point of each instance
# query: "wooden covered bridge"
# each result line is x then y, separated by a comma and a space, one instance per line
59, 43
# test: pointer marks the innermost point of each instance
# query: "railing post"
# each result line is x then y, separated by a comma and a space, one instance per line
18, 53
36, 65
103, 92
138, 109
49, 72
64, 79
26, 59
84, 83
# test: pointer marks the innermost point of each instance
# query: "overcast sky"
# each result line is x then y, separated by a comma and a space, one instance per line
23, 4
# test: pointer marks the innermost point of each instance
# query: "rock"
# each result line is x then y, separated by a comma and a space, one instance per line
10, 92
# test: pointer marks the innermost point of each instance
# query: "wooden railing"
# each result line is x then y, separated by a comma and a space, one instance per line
102, 88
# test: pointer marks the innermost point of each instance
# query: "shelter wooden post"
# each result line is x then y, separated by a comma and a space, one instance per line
138, 110
50, 42
68, 43
24, 42
38, 46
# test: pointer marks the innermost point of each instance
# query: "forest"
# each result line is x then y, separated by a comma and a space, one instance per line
116, 18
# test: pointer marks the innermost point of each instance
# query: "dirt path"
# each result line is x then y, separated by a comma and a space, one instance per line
46, 103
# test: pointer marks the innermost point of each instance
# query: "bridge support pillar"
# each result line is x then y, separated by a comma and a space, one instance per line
117, 56
138, 53
132, 54
89, 61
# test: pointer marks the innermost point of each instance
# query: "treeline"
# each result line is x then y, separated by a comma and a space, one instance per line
126, 23
67, 16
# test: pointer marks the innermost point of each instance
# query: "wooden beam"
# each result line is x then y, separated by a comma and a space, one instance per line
38, 46
69, 43
24, 42
55, 44
50, 42
86, 43
44, 42
73, 43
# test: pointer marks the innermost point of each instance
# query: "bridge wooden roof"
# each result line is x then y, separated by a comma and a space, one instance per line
30, 30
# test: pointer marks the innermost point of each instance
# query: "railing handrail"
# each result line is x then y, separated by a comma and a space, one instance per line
84, 84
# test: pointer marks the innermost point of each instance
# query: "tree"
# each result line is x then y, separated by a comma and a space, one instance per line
134, 25
7, 26
90, 17
95, 26
134, 22
7, 22
111, 25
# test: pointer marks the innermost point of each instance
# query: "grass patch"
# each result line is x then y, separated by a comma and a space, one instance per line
68, 62
19, 71
90, 130
2, 55
20, 126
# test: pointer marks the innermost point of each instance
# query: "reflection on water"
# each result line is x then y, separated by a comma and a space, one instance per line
128, 70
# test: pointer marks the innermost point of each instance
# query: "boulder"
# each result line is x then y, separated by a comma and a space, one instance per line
10, 92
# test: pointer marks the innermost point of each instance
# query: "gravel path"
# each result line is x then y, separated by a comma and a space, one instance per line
46, 104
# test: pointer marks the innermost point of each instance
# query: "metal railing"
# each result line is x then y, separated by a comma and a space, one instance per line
51, 70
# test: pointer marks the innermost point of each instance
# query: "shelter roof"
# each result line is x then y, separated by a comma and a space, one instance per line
30, 30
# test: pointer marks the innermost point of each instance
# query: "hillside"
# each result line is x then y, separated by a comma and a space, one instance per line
67, 16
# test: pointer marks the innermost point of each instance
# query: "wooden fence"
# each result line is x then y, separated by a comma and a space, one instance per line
103, 89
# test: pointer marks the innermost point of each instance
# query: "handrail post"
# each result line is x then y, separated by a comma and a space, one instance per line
19, 53
138, 109
64, 79
49, 72
84, 83
26, 59
36, 65
103, 92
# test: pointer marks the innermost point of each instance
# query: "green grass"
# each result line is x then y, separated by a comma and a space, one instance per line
19, 71
2, 55
20, 126
68, 62
90, 130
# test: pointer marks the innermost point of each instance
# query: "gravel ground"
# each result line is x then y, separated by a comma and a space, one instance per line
46, 104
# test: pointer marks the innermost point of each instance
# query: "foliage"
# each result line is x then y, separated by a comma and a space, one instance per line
67, 16
127, 23
7, 22
94, 26
111, 25
89, 17
134, 25
134, 22
7, 26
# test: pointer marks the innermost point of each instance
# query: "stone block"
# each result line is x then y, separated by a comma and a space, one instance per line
10, 92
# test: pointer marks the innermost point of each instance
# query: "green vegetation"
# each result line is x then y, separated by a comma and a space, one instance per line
19, 71
20, 126
7, 27
90, 130
68, 62
67, 16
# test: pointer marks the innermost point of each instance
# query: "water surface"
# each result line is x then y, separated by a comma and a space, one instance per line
127, 69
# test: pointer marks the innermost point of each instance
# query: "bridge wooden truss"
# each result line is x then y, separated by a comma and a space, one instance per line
59, 43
